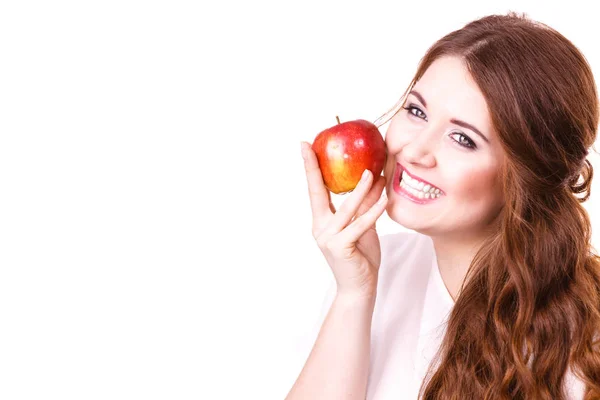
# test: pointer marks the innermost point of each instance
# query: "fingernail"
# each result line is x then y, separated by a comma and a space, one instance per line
383, 197
302, 147
365, 175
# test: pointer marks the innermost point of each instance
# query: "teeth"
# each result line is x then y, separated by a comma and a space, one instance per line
419, 189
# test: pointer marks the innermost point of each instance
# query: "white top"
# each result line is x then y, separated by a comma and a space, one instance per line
409, 318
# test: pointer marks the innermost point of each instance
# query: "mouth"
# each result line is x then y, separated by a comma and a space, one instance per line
414, 188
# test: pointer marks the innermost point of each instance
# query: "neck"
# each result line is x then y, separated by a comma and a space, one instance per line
454, 256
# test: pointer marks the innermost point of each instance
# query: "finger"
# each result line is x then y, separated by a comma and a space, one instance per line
372, 197
349, 207
360, 225
320, 200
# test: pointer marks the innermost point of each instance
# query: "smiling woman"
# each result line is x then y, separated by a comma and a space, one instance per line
426, 143
496, 292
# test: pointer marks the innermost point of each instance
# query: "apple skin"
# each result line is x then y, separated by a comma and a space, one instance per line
345, 150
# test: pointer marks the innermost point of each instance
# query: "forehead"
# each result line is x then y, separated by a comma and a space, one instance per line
451, 92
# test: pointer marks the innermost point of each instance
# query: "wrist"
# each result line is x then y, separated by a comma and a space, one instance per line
357, 298
367, 292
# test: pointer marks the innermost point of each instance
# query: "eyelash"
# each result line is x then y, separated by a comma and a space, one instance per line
471, 145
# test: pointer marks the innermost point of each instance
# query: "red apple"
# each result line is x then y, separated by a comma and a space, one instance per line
345, 150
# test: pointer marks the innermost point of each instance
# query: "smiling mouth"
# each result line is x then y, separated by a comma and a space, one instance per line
414, 189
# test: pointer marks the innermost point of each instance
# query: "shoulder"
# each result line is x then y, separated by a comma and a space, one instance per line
405, 257
401, 245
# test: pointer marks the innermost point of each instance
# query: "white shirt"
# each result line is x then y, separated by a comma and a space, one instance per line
409, 318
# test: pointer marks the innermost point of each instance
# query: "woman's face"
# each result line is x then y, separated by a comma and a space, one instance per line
444, 137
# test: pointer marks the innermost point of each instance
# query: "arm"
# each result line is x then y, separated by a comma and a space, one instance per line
338, 365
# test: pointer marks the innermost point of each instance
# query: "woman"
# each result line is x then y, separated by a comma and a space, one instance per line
495, 294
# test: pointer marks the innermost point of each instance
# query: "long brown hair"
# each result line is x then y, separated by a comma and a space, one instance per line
529, 308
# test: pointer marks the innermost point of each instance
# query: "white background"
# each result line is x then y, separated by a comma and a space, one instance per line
154, 223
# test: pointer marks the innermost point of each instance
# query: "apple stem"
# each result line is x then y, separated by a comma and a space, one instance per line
338, 119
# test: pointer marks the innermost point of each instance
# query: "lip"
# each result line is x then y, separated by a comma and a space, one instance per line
398, 165
399, 190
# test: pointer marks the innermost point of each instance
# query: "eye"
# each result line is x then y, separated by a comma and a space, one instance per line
464, 141
416, 111
467, 142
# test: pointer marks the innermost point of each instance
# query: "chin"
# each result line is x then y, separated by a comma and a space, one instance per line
408, 220
400, 217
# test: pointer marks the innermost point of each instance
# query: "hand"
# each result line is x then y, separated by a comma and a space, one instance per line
347, 237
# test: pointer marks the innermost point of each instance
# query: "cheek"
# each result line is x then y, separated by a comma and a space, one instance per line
477, 187
393, 149
393, 142
393, 135
390, 164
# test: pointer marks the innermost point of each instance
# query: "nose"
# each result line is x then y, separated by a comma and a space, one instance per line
420, 150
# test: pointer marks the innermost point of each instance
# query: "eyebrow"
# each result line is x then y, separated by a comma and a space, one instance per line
454, 121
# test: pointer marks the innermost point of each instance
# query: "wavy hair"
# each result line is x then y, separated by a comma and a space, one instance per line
529, 308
